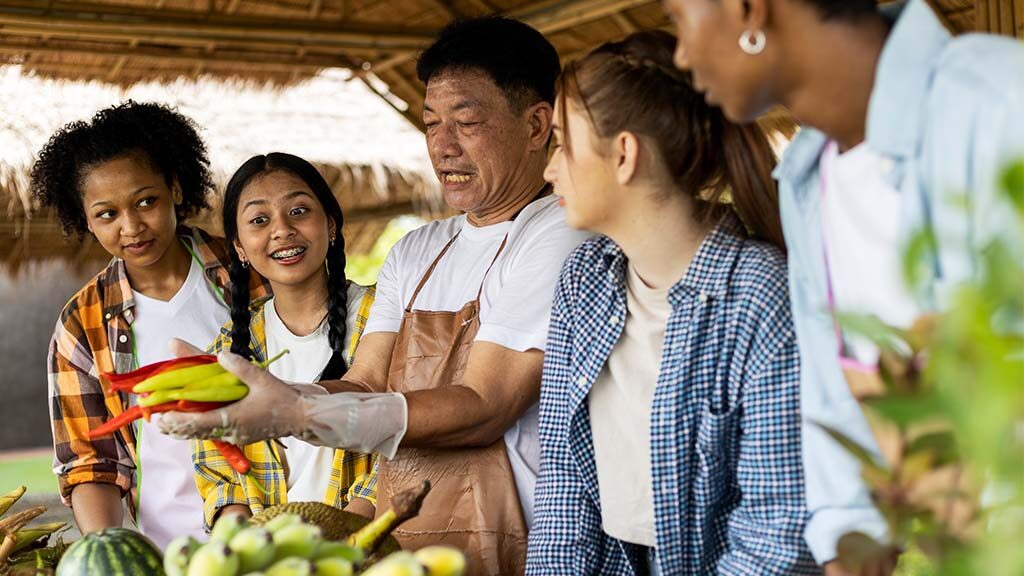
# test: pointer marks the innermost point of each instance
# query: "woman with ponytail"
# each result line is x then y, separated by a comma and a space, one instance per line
670, 408
285, 223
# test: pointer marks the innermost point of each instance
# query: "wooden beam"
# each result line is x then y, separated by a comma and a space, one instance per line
446, 8
116, 68
625, 23
548, 16
270, 60
314, 8
407, 113
170, 25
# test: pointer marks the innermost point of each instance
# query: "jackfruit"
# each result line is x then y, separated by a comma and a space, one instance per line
337, 525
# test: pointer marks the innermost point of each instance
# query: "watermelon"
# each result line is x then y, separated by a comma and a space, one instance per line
113, 552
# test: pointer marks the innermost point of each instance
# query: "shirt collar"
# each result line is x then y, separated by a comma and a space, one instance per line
117, 297
895, 115
709, 270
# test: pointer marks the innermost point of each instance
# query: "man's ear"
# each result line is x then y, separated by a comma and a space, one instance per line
539, 116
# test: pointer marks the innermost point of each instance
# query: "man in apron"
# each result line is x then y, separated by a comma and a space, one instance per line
456, 335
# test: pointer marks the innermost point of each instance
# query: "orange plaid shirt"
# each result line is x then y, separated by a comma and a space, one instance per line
92, 336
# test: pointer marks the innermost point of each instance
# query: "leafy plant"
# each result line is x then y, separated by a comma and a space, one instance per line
949, 417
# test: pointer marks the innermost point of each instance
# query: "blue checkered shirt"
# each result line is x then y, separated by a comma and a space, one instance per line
725, 421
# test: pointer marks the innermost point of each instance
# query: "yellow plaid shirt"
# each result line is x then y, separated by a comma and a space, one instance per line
353, 475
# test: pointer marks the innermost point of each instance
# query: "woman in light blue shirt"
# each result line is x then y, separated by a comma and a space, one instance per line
925, 116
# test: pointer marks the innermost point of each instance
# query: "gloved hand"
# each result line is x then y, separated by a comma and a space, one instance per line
275, 409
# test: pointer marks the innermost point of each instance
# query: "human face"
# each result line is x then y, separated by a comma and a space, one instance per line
584, 181
130, 210
479, 146
708, 33
283, 231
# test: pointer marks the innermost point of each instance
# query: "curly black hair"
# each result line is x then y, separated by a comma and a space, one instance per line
163, 136
844, 9
518, 58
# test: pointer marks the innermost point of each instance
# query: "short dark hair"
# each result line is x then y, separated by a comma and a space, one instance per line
518, 58
164, 138
844, 9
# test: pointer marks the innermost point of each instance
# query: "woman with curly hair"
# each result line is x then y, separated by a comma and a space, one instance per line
130, 177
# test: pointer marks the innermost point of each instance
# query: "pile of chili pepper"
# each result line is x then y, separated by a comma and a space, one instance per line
188, 384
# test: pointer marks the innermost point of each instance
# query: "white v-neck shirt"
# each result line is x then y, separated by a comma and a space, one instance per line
309, 466
169, 503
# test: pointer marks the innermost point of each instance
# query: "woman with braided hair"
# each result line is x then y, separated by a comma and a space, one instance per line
285, 223
670, 407
130, 177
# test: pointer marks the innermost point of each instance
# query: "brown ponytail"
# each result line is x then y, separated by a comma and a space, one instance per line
632, 86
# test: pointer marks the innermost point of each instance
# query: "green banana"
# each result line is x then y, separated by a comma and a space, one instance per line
213, 559
178, 378
441, 560
340, 550
281, 521
291, 567
300, 540
221, 394
404, 505
255, 548
334, 567
178, 554
8, 500
226, 528
397, 564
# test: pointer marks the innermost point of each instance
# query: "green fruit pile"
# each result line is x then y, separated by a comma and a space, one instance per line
288, 546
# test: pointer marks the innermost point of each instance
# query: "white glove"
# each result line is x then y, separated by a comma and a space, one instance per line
275, 409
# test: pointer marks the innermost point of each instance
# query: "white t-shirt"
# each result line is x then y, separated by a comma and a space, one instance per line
515, 305
620, 415
169, 503
862, 220
309, 466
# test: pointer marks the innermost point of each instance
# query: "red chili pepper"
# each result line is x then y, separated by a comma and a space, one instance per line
110, 426
190, 406
239, 463
125, 382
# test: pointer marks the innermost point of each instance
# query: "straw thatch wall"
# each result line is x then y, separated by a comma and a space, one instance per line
374, 160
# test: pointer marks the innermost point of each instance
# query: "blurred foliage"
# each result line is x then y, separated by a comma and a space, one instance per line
950, 418
363, 268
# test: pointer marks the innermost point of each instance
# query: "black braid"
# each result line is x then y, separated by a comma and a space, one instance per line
239, 307
337, 308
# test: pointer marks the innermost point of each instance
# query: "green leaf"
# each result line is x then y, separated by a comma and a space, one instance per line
1013, 185
871, 327
863, 455
904, 410
942, 445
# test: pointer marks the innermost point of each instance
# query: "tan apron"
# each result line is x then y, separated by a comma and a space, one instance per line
473, 504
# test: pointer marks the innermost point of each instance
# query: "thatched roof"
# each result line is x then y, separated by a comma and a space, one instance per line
285, 42
374, 160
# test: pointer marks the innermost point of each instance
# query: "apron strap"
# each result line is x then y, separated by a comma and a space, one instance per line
486, 274
430, 271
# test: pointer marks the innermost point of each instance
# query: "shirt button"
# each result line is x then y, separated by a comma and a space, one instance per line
613, 320
107, 315
122, 338
703, 297
582, 381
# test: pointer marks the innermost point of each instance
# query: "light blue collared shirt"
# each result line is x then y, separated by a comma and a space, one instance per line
948, 115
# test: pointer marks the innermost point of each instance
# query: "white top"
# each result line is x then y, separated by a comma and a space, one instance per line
169, 503
861, 216
309, 466
620, 415
515, 306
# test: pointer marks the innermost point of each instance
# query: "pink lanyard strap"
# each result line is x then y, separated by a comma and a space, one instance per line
846, 361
